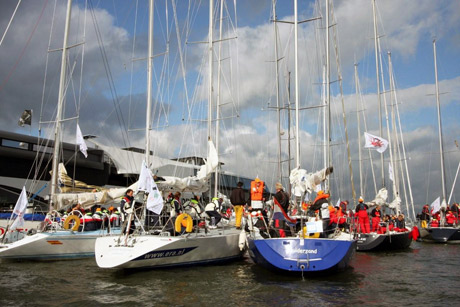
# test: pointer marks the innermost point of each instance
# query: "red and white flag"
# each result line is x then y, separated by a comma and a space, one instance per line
375, 142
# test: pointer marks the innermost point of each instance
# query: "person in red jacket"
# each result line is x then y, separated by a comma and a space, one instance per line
376, 215
363, 217
450, 218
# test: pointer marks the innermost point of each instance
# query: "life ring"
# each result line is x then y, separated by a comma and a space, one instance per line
186, 218
2, 231
69, 219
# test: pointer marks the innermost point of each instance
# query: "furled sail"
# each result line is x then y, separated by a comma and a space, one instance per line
380, 198
301, 181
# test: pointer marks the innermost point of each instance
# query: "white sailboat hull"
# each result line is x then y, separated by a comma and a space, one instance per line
52, 246
157, 251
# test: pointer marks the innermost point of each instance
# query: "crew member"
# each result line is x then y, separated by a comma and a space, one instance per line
257, 194
363, 217
237, 198
213, 210
126, 207
376, 215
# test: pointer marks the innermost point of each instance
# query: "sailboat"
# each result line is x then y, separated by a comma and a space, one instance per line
173, 241
440, 233
57, 241
388, 239
306, 248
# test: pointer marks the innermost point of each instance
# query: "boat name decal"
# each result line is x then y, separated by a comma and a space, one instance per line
306, 251
166, 253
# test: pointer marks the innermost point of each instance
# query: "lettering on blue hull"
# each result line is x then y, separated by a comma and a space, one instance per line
306, 251
166, 253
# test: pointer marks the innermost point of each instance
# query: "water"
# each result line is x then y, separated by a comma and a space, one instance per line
424, 274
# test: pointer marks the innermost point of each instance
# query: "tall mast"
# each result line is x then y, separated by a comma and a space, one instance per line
211, 5
359, 132
62, 81
438, 104
278, 107
328, 97
216, 177
296, 78
149, 86
378, 85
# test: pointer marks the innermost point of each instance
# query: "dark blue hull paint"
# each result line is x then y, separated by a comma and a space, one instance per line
444, 234
315, 256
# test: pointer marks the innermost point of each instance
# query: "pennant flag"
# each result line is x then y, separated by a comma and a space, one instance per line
26, 118
20, 209
338, 203
375, 142
390, 171
146, 183
436, 205
81, 142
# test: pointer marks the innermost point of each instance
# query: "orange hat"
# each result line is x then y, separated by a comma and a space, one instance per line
257, 179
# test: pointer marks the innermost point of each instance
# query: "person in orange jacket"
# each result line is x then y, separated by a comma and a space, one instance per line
363, 217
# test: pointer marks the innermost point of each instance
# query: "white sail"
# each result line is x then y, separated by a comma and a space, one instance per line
380, 198
301, 181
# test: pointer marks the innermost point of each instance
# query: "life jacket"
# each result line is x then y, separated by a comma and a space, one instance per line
213, 206
257, 192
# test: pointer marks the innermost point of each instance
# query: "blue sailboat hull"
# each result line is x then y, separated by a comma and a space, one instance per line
295, 255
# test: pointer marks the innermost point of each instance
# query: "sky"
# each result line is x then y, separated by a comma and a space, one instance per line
107, 90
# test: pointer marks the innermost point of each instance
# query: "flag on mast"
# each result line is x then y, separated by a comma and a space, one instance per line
436, 205
147, 184
390, 171
81, 142
375, 142
20, 209
26, 118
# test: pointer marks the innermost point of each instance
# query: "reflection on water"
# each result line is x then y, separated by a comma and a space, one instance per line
424, 274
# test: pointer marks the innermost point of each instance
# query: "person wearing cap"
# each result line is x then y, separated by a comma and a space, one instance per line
237, 198
257, 194
363, 217
282, 197
213, 211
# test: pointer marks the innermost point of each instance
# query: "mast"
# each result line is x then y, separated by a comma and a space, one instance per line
149, 86
296, 78
438, 104
328, 98
359, 133
275, 32
211, 4
378, 86
62, 81
216, 176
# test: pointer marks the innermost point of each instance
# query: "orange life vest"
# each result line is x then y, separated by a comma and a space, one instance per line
257, 191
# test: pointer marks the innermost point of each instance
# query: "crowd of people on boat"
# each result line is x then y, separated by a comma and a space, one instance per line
213, 212
446, 216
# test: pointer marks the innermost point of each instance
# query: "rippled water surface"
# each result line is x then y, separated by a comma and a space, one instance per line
424, 275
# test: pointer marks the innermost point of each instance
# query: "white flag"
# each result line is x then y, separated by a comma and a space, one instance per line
436, 205
390, 171
21, 204
20, 209
146, 183
375, 142
81, 142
